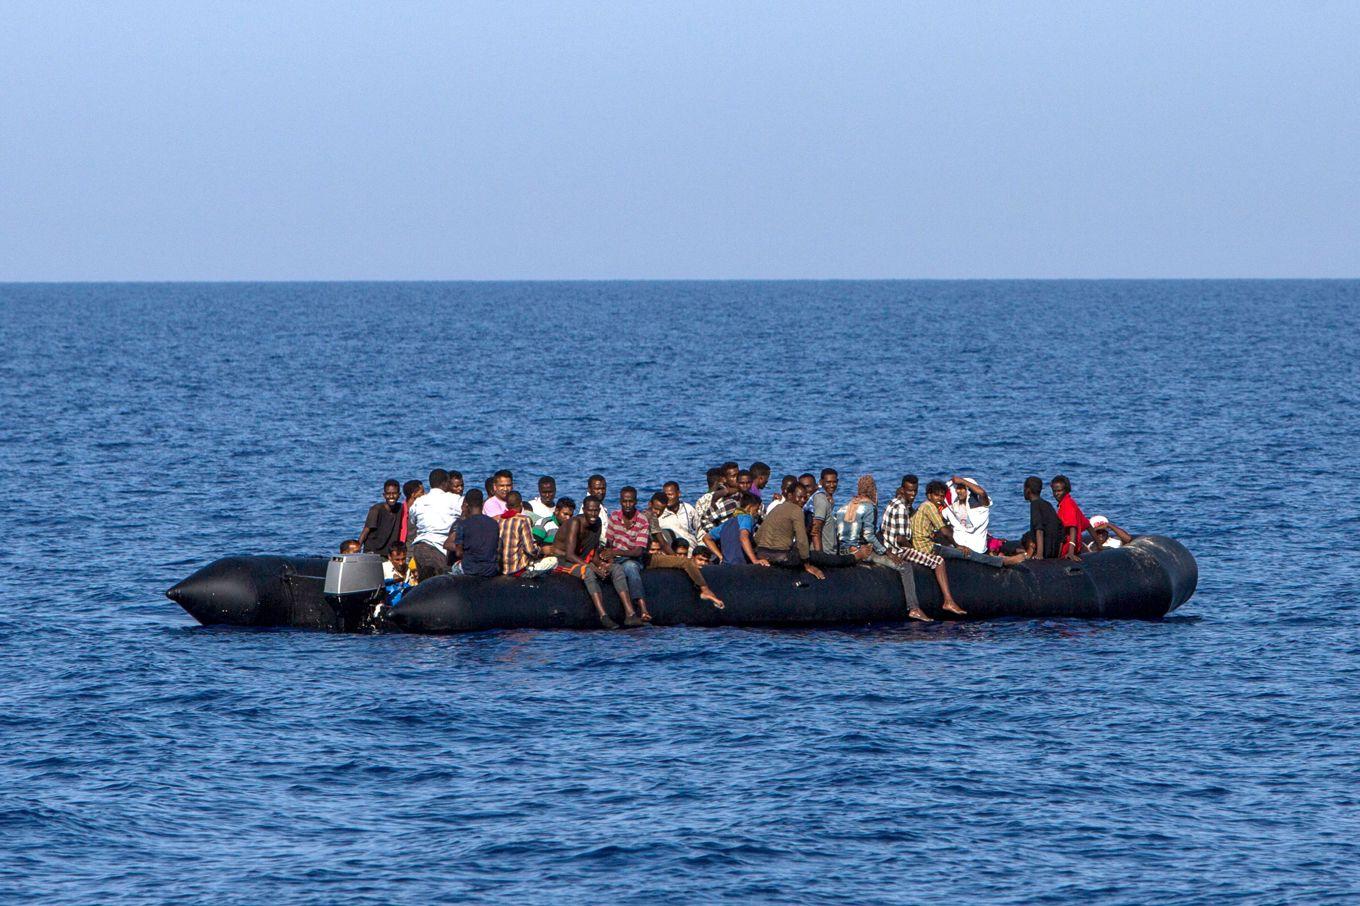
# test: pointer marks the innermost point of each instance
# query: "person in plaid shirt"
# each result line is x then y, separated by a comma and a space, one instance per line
517, 549
897, 516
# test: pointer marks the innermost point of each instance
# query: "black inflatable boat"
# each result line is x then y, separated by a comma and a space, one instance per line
1145, 579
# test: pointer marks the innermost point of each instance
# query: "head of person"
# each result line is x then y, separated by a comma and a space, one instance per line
907, 489
1100, 529
391, 492
867, 488
713, 476
564, 509
472, 502
514, 501
490, 485
760, 474
628, 501
830, 480
937, 492
785, 483
798, 494
808, 481
439, 480
657, 504
547, 489
653, 546
743, 480
671, 491
1060, 487
502, 483
350, 546
1030, 545
456, 482
730, 472
1034, 487
590, 508
396, 555
412, 489
748, 503
960, 492
595, 487
680, 546
702, 555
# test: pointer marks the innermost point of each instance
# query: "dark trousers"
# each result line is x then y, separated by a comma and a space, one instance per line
430, 560
791, 560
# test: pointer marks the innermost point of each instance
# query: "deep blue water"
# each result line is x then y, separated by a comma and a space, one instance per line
1208, 758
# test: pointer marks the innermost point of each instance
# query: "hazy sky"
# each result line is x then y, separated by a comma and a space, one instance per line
397, 140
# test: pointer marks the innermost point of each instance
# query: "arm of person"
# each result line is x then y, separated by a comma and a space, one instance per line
1072, 538
750, 551
567, 544
800, 535
1123, 536
370, 524
712, 544
452, 543
1038, 544
974, 487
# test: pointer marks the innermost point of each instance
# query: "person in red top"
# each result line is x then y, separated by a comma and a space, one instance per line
1073, 520
629, 533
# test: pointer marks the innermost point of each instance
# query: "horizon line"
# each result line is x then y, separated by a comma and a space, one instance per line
395, 280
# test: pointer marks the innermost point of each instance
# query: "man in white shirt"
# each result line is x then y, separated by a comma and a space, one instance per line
545, 503
679, 517
969, 513
432, 518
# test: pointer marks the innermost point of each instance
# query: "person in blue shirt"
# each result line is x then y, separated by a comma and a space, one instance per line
733, 537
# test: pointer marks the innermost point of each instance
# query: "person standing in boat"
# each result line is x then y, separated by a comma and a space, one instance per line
1073, 520
382, 525
432, 516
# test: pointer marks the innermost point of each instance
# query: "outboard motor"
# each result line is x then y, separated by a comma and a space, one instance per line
353, 589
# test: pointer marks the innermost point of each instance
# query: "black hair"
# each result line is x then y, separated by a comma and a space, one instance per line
564, 501
474, 498
349, 542
391, 483
910, 479
832, 472
595, 477
588, 498
626, 488
490, 480
712, 475
1034, 485
669, 483
514, 500
807, 475
438, 478
937, 487
748, 499
759, 468
503, 473
787, 482
703, 549
745, 472
679, 544
454, 473
728, 466
411, 487
545, 479
1062, 480
658, 497
398, 546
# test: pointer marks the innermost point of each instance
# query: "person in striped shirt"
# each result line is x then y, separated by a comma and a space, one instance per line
628, 537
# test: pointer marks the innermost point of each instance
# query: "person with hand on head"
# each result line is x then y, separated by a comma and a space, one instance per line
968, 511
577, 548
1101, 529
382, 525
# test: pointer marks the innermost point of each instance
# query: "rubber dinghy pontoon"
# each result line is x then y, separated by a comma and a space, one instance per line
1145, 579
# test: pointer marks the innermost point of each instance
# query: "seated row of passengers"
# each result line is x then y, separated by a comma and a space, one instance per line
802, 526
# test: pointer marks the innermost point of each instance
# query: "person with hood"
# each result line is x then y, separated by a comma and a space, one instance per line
968, 513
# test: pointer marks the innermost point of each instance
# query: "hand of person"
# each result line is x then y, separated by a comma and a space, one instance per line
762, 562
815, 572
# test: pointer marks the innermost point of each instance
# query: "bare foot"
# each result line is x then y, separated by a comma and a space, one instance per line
646, 617
953, 607
631, 620
1014, 559
606, 622
706, 594
917, 613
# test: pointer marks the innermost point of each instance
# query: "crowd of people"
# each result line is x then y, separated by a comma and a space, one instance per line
426, 530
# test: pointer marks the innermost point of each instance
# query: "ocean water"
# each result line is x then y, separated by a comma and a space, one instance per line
148, 429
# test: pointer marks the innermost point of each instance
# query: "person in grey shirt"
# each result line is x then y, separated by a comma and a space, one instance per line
822, 505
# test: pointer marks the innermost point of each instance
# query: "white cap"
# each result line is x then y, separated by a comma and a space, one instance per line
1099, 522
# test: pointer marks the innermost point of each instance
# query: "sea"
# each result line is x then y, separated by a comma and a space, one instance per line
1210, 757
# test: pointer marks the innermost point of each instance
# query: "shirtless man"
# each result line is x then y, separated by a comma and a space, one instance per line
577, 548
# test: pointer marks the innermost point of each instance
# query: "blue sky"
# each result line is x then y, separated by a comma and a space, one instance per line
396, 140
